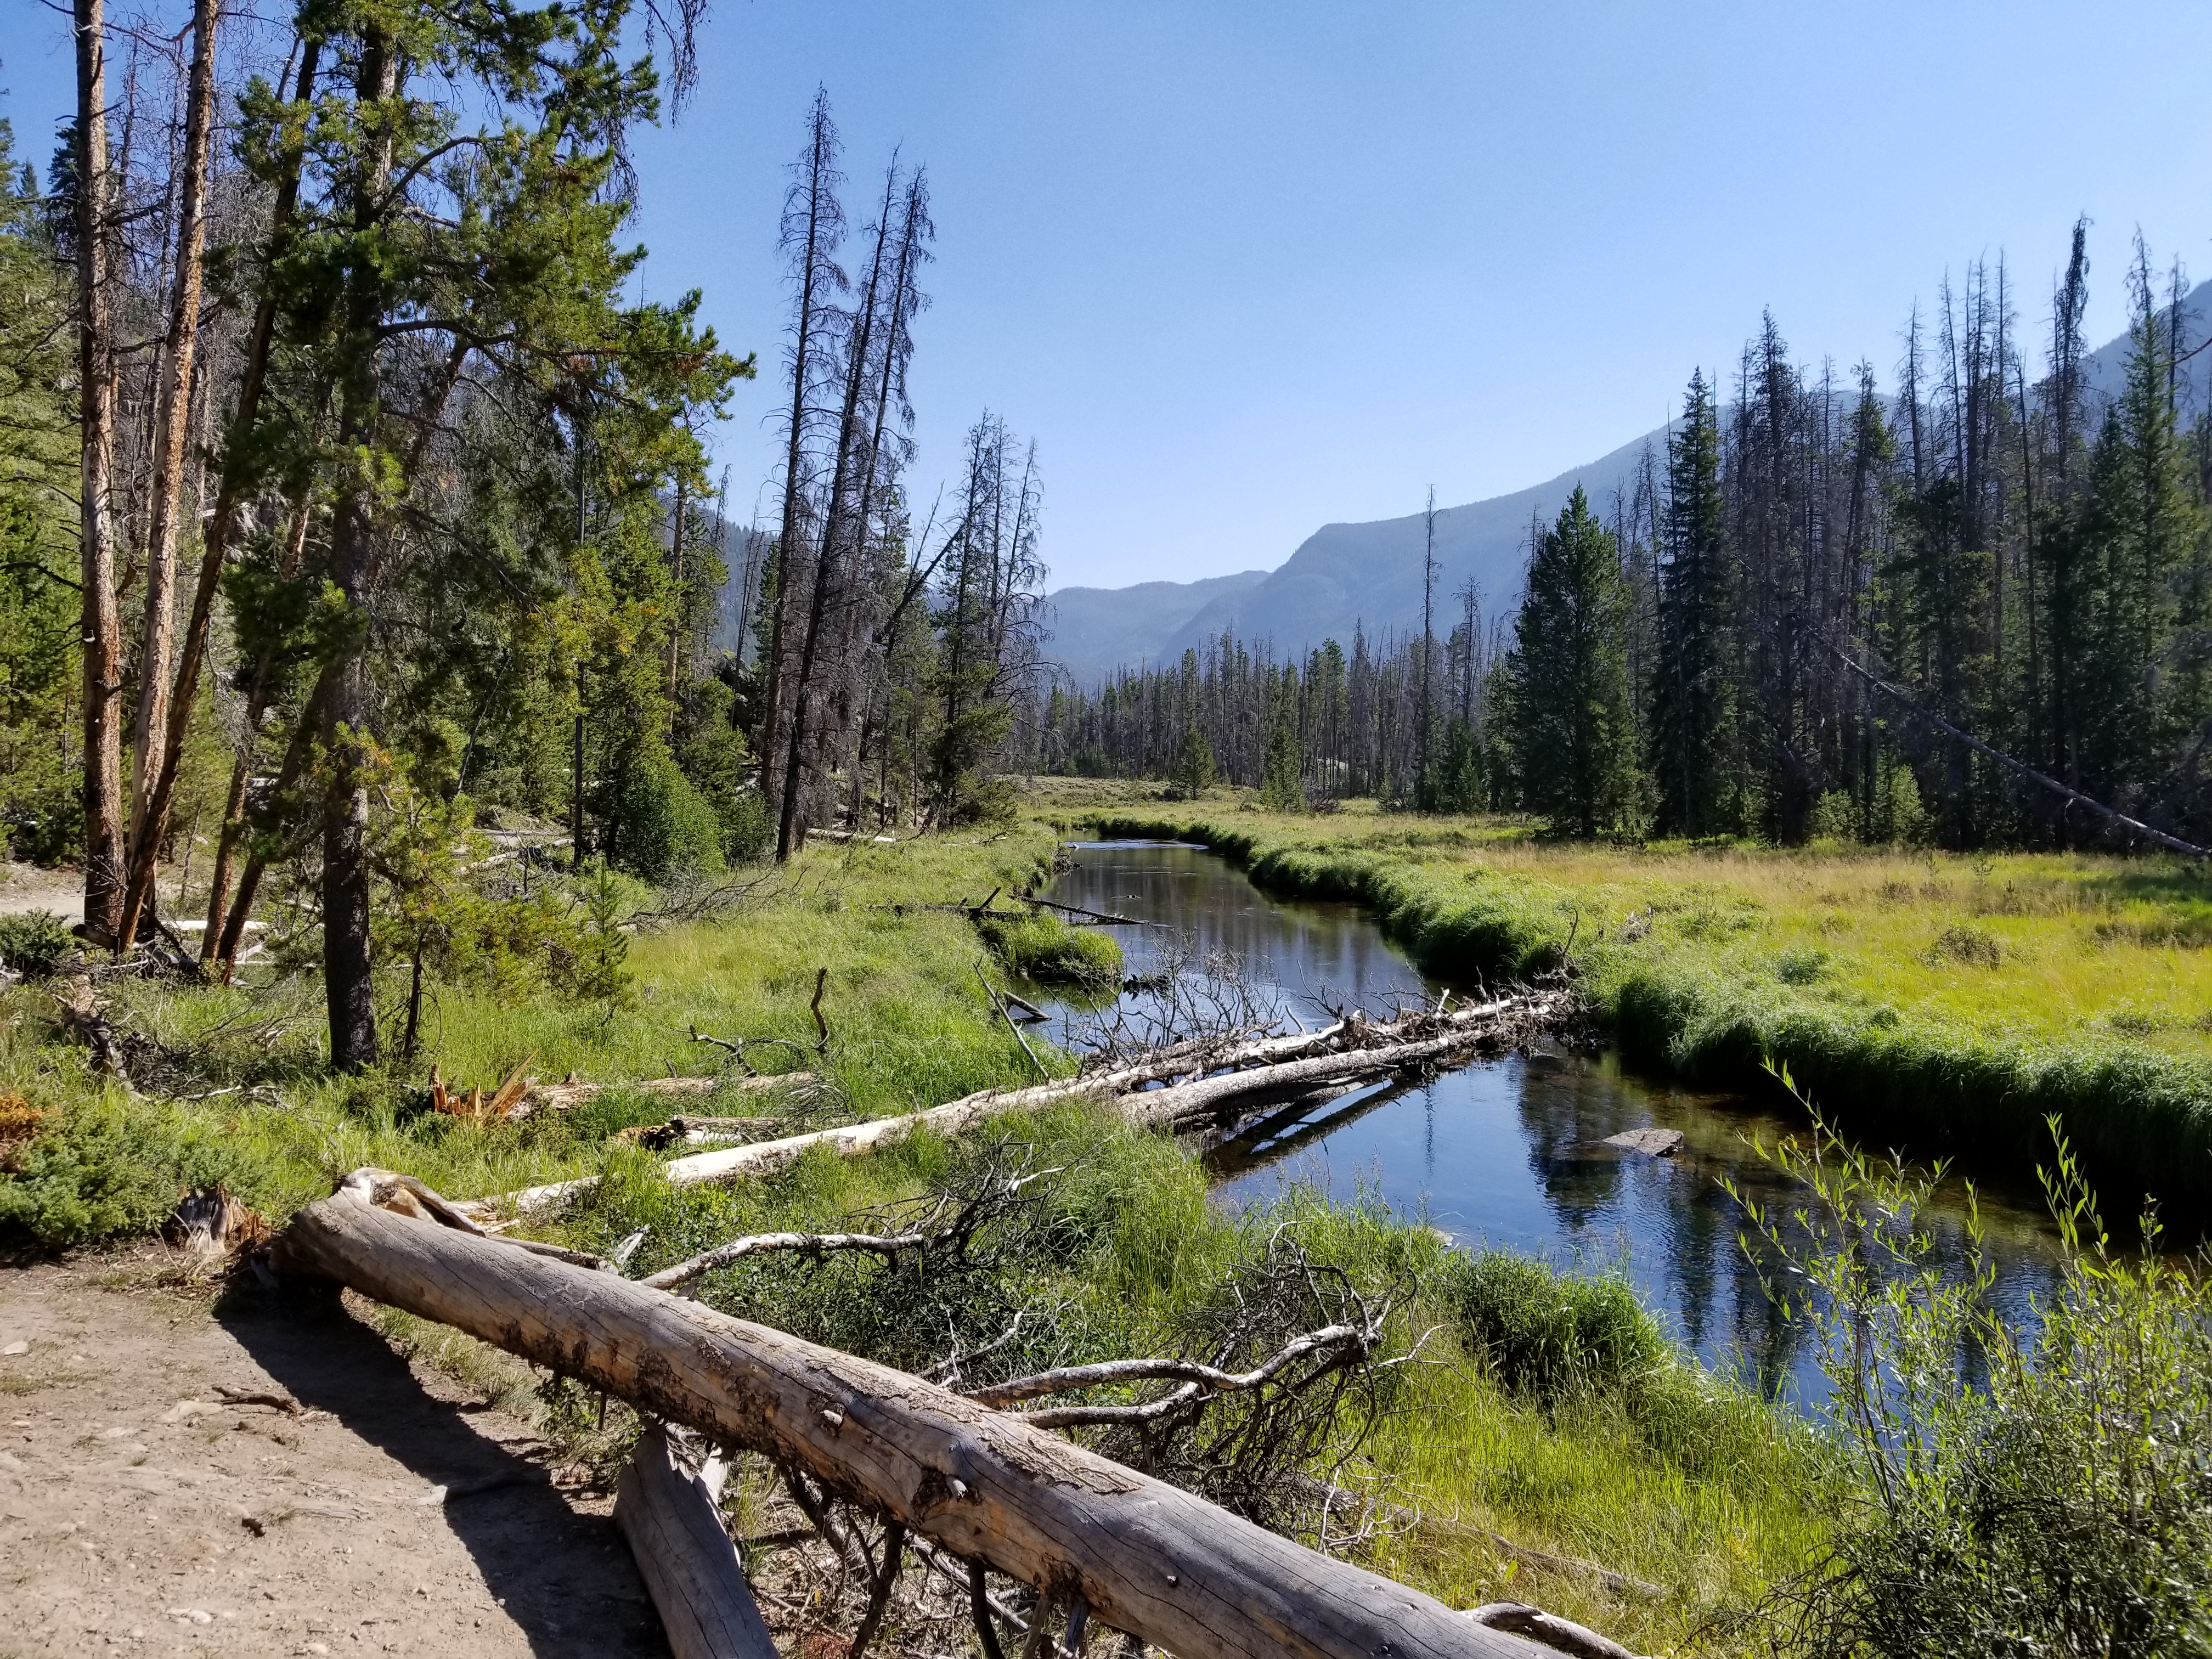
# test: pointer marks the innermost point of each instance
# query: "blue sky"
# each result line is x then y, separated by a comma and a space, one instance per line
1244, 268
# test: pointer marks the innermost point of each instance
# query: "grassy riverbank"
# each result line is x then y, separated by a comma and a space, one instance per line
1624, 1455
1950, 1001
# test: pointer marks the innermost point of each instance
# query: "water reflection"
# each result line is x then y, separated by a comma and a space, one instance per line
1510, 1152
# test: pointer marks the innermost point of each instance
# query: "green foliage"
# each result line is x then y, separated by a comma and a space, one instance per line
1546, 1334
600, 971
1282, 783
2049, 1492
1192, 772
102, 1164
1046, 949
660, 828
35, 942
1572, 724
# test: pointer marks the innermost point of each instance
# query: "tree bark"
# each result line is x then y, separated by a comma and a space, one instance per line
1146, 1558
237, 477
674, 1525
171, 431
101, 629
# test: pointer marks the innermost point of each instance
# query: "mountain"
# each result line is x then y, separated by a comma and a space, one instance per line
1096, 630
1369, 574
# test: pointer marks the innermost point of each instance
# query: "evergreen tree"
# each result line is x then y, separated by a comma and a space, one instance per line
1574, 726
1193, 763
1694, 688
1282, 785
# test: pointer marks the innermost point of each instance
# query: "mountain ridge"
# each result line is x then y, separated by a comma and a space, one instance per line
1368, 573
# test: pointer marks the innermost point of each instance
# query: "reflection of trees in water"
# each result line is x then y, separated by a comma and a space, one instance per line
1301, 952
1564, 1121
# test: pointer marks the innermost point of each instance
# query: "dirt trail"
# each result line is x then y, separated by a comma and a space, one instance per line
140, 1512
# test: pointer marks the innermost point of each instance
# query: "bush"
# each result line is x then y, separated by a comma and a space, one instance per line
1046, 949
35, 944
102, 1167
2049, 1493
1546, 1334
662, 827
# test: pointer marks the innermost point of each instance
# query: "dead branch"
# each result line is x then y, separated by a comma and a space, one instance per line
1301, 1061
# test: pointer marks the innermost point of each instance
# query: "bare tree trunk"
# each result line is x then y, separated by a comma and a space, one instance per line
102, 628
237, 477
1146, 1558
173, 429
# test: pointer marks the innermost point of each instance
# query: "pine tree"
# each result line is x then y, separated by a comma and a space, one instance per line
1575, 727
1193, 761
1282, 786
1694, 691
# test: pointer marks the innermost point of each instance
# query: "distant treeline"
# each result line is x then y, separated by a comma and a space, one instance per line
1823, 611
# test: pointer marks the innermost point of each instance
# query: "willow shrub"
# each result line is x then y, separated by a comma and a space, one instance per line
2014, 1494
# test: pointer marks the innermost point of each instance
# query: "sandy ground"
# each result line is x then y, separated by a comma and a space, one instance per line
26, 887
142, 1513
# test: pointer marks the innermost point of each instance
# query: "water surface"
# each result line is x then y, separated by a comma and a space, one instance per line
1507, 1152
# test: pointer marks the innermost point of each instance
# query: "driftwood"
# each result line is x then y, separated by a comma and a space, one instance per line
1219, 1078
562, 1095
674, 1526
1550, 1629
1141, 1556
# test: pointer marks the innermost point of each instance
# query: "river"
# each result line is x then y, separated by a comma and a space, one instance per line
1509, 1153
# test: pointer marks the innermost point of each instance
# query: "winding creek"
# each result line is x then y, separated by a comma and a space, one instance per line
1509, 1153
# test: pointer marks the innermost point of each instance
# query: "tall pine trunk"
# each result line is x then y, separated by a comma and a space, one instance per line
101, 629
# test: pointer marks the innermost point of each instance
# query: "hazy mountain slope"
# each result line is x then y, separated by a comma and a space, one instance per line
1096, 630
1344, 574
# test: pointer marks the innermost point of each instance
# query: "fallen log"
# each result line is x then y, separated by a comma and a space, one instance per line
1145, 1557
674, 1525
1303, 1060
564, 1095
1548, 1628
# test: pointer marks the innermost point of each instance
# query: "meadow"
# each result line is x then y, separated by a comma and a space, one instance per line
1546, 1411
1946, 1002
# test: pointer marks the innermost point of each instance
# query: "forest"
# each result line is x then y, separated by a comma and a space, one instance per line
350, 507
1970, 612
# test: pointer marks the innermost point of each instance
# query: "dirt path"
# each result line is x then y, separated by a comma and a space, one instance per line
140, 1512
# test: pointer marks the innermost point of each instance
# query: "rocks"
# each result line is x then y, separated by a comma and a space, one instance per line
1651, 1143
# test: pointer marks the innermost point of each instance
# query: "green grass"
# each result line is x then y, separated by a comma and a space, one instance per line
1950, 1001
1545, 1410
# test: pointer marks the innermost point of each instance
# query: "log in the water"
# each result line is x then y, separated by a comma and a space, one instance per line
1215, 1077
1145, 1557
671, 1519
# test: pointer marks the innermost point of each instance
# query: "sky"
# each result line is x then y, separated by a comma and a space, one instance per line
1244, 268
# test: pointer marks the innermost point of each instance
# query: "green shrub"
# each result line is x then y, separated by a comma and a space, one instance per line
1547, 1333
662, 827
103, 1167
35, 944
1046, 949
2018, 1494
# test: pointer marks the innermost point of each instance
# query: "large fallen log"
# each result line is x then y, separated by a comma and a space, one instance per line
1217, 1077
690, 1569
1143, 1556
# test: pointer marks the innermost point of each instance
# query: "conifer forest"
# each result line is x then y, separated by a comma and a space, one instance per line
1971, 612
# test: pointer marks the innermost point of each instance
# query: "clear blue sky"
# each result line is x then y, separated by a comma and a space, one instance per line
1245, 267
